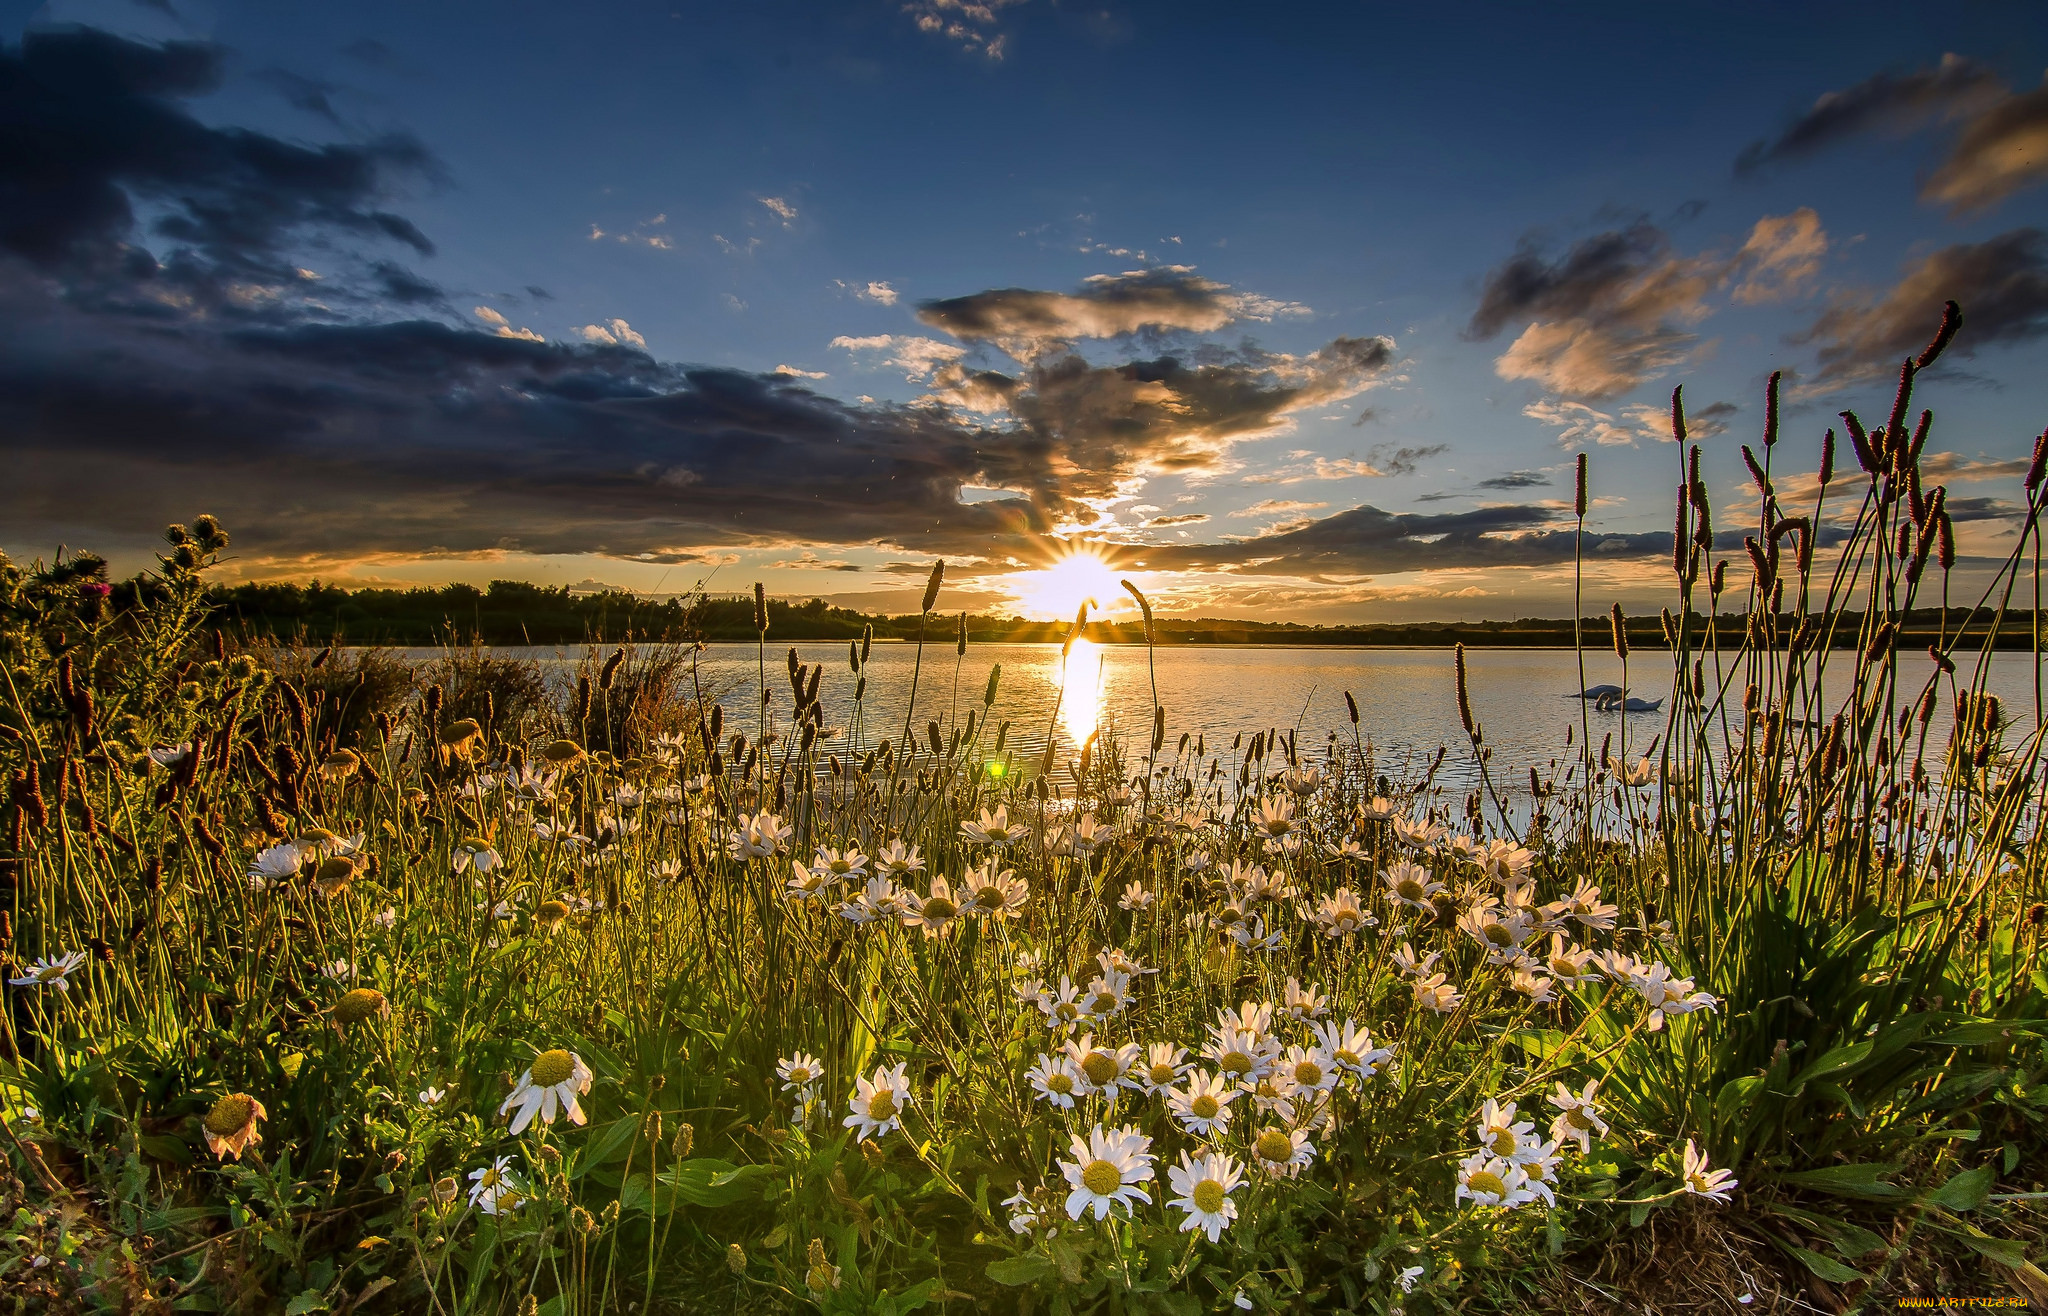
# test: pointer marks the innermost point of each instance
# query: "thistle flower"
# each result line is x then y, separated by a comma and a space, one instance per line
877, 1103
1204, 1184
1106, 1170
230, 1126
1700, 1180
549, 1087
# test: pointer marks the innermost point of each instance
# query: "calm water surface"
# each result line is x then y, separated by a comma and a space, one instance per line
1407, 701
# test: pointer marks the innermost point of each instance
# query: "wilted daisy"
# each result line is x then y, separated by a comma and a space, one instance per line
1205, 1184
877, 1103
1103, 1069
994, 828
1490, 1181
230, 1125
495, 1189
549, 1088
1300, 1003
279, 863
1436, 993
1023, 1212
1350, 1047
473, 855
1283, 1152
1406, 961
1163, 1066
1135, 897
1411, 885
1339, 914
936, 913
1055, 1079
1578, 1119
1702, 1181
1106, 1170
47, 972
1203, 1106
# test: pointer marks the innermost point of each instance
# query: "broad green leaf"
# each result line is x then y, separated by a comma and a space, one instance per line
166, 1148
310, 1301
607, 1144
1829, 1269
1027, 1269
1984, 1032
1834, 1062
1965, 1192
1859, 1180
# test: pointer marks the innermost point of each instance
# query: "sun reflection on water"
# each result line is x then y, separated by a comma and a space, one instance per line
1081, 706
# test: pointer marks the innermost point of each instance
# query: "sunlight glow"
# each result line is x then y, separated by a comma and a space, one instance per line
1056, 592
1081, 706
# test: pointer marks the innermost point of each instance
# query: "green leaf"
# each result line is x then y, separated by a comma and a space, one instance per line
1015, 1271
2007, 1252
703, 1181
166, 1148
1834, 1062
1829, 1269
1965, 1192
309, 1301
1637, 1214
1859, 1180
1983, 1032
607, 1144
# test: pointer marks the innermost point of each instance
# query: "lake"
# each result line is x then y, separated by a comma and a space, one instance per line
1407, 699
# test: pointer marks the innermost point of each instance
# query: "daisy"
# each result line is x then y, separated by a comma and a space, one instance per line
1135, 897
1030, 991
1590, 910
985, 893
547, 1088
1087, 835
1303, 780
1204, 1184
1409, 965
1103, 1070
1309, 1070
1253, 934
1203, 1106
1435, 993
474, 856
800, 1073
1274, 818
1504, 861
807, 883
1378, 809
431, 1096
494, 1189
1539, 1160
899, 861
1108, 994
1490, 1181
386, 918
1302, 1003
1417, 835
1346, 851
1165, 1064
1283, 1152
1024, 1212
877, 1103
1197, 861
994, 828
1499, 931
279, 863
230, 1126
1578, 1119
1702, 1181
1339, 914
1350, 1047
1570, 963
1666, 995
759, 836
935, 913
1254, 1017
1063, 1008
1411, 885
1499, 1132
1533, 986
841, 864
1056, 1080
1106, 1170
338, 971
1114, 959
48, 972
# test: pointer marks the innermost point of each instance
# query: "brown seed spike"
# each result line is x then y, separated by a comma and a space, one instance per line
1619, 626
1827, 458
1678, 414
2034, 468
1771, 409
1951, 320
760, 608
931, 587
1579, 500
1866, 456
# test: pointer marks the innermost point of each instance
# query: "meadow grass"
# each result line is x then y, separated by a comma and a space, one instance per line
339, 986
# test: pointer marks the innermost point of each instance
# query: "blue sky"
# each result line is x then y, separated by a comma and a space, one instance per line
1298, 311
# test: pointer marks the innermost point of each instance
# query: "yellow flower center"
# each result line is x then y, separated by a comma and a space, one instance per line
1578, 1118
1308, 1073
1060, 1083
882, 1106
1102, 1003
1208, 1196
1274, 1146
799, 1075
1228, 916
1161, 1075
552, 1067
1349, 1058
1099, 1068
1205, 1107
1410, 889
551, 912
937, 909
1236, 1062
1564, 968
358, 1005
1067, 1010
562, 751
1504, 1142
1498, 934
231, 1114
988, 897
1101, 1178
1486, 1181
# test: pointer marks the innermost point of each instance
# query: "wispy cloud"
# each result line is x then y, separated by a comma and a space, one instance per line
1029, 323
781, 209
969, 23
918, 358
1276, 507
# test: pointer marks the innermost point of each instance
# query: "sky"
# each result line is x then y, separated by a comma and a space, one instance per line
1282, 312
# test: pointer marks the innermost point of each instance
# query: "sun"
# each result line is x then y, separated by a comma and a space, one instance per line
1057, 592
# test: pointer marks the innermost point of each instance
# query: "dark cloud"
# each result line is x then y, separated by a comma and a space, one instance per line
2001, 284
302, 93
1184, 518
1366, 415
94, 133
372, 52
1997, 149
1884, 102
1710, 420
1391, 460
1369, 541
1516, 480
1028, 322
